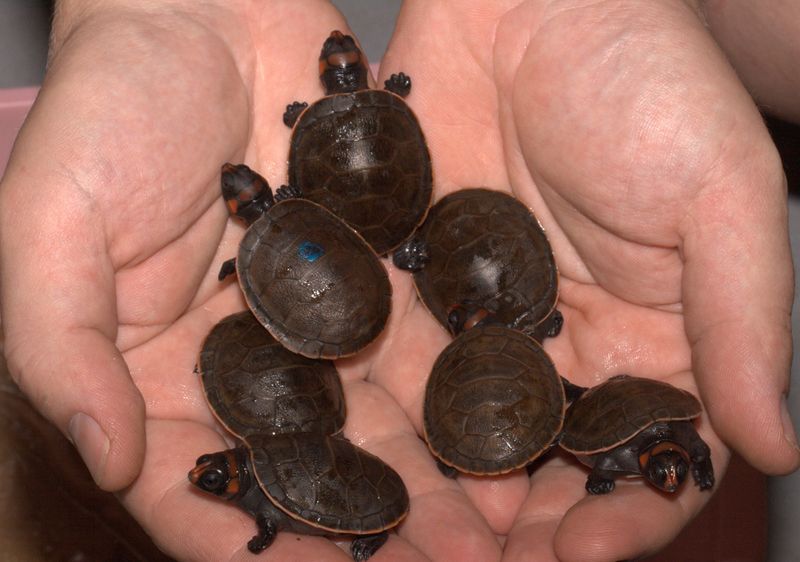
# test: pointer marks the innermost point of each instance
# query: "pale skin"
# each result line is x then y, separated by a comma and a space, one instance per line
620, 123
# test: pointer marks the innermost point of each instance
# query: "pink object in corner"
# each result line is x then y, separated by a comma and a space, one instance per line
14, 106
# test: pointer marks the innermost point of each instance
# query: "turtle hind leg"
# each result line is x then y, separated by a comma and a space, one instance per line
228, 268
367, 545
267, 530
412, 255
399, 84
293, 111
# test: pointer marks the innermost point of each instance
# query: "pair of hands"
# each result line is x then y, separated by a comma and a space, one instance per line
620, 124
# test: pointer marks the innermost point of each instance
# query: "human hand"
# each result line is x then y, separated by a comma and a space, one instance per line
109, 272
625, 130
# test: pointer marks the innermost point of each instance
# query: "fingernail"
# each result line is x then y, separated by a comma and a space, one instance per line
788, 426
92, 443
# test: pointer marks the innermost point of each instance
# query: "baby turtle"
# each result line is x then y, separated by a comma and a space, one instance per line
481, 256
307, 483
310, 279
493, 403
255, 385
640, 427
360, 153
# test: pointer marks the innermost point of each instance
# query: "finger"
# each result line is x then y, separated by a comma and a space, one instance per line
738, 286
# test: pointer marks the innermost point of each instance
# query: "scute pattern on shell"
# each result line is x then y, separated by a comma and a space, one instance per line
487, 249
328, 482
327, 304
363, 156
610, 413
494, 401
255, 385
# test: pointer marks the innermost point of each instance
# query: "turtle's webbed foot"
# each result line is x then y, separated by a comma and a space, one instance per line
550, 327
288, 192
412, 255
364, 547
293, 111
597, 485
228, 268
399, 84
267, 530
703, 473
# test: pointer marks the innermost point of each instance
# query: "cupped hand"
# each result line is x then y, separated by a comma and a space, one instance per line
629, 135
113, 231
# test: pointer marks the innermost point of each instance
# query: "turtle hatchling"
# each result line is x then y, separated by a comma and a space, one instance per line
255, 385
308, 277
482, 256
631, 426
307, 483
360, 152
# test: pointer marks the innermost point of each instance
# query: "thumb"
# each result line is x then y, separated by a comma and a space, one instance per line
57, 300
738, 288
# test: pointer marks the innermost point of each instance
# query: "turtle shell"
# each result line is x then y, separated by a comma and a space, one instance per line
363, 156
493, 403
328, 482
613, 412
255, 385
487, 251
312, 281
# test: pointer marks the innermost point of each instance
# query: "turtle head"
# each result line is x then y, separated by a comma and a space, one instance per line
665, 465
464, 316
342, 66
246, 193
220, 473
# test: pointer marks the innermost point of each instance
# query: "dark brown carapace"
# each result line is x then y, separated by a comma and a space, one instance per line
342, 66
246, 193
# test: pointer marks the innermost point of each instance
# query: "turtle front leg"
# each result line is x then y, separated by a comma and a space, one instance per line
228, 268
293, 111
702, 469
598, 482
267, 530
412, 255
601, 479
364, 547
399, 84
550, 327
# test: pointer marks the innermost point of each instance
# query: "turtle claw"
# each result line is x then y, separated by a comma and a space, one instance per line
412, 255
228, 268
293, 111
364, 547
597, 485
399, 84
285, 192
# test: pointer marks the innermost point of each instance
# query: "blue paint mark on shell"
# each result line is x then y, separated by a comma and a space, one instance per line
310, 252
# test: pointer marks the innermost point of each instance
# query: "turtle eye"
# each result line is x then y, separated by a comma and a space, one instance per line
213, 480
203, 459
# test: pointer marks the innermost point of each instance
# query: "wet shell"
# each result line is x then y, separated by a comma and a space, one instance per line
312, 281
493, 403
255, 385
